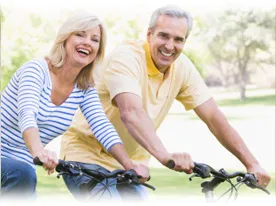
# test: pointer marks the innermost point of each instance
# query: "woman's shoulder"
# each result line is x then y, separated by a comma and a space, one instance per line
35, 69
38, 65
91, 90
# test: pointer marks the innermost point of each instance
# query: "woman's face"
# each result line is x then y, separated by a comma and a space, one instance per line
82, 47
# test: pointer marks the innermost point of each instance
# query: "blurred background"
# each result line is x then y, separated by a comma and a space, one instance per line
232, 44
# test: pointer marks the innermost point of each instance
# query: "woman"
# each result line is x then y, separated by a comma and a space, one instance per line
41, 99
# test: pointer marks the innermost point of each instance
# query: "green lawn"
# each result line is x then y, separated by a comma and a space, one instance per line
166, 182
262, 100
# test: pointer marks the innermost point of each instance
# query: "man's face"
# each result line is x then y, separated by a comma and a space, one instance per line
166, 40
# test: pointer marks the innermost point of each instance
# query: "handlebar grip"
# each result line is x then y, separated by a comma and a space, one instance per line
170, 164
37, 161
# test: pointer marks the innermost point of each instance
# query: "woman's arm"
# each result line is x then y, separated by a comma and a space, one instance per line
30, 84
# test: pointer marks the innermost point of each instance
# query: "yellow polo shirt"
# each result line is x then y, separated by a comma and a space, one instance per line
129, 68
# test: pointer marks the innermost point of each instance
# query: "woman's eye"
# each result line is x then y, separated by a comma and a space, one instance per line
79, 34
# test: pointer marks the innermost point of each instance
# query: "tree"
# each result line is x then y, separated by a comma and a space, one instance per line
1, 21
23, 42
239, 41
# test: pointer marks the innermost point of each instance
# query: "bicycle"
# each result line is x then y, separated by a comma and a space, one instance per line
121, 177
217, 177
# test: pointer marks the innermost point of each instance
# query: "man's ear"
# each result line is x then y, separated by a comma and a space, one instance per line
149, 32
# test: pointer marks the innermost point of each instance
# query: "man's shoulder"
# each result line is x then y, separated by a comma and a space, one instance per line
183, 63
130, 47
182, 59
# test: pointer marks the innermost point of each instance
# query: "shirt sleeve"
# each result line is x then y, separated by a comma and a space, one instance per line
100, 125
193, 90
30, 84
122, 75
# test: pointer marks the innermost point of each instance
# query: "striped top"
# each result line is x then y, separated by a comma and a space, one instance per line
26, 102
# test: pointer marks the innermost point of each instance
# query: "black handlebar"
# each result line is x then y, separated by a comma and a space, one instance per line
37, 161
205, 171
70, 168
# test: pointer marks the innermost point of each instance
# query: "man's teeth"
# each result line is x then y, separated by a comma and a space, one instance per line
83, 51
166, 54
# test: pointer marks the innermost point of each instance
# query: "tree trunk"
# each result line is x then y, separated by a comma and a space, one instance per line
243, 85
242, 92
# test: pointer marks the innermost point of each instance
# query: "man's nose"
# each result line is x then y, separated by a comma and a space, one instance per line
169, 44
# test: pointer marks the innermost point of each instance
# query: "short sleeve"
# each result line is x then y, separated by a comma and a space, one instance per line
122, 74
193, 90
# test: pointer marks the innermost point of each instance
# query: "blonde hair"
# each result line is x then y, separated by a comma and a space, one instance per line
79, 22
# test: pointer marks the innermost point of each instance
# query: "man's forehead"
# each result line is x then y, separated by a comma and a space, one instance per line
171, 31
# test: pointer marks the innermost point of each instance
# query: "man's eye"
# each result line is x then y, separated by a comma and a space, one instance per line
180, 40
164, 36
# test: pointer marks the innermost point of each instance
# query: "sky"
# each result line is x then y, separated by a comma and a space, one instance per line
129, 6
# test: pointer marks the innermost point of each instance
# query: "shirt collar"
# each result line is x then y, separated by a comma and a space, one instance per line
152, 70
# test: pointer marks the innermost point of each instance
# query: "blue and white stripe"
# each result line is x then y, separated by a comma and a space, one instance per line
26, 102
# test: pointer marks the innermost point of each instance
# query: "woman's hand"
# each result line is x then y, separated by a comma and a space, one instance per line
49, 160
142, 171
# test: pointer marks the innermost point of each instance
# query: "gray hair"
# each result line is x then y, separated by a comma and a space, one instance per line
172, 11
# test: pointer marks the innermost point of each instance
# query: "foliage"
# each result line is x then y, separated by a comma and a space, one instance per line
123, 29
196, 60
29, 40
240, 41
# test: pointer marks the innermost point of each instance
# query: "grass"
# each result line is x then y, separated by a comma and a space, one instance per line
166, 182
50, 184
261, 100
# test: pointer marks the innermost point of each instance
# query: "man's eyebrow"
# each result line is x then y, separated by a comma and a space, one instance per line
163, 33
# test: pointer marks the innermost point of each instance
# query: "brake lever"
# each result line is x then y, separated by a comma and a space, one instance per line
263, 189
202, 170
61, 173
149, 186
193, 175
132, 176
251, 181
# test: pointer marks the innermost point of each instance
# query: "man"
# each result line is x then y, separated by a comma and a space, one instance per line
137, 86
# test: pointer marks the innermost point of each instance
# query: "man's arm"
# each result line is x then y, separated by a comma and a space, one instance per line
230, 139
142, 130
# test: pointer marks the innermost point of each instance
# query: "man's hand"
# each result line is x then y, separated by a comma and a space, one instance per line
183, 162
261, 175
